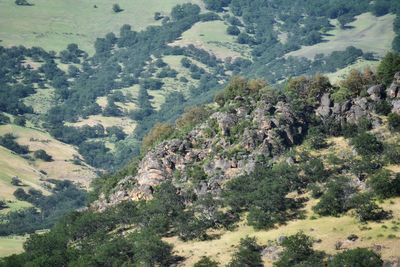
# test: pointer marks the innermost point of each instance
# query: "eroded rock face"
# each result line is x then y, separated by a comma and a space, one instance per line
231, 146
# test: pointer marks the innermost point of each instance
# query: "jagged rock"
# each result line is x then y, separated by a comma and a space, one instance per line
324, 109
396, 106
393, 90
376, 92
225, 121
271, 252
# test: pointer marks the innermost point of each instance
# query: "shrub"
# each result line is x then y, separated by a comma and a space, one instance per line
4, 119
206, 262
20, 121
16, 181
389, 65
337, 198
233, 30
383, 107
159, 133
248, 254
298, 251
394, 122
8, 141
22, 3
3, 205
367, 210
116, 8
384, 185
41, 154
367, 144
360, 257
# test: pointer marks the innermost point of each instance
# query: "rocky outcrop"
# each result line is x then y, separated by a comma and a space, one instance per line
230, 142
261, 129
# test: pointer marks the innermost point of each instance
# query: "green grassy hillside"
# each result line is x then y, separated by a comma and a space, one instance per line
33, 172
52, 24
367, 32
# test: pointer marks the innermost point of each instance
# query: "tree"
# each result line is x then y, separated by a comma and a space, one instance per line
4, 119
394, 122
233, 30
3, 205
206, 262
16, 181
367, 210
41, 154
337, 198
389, 65
298, 251
248, 254
185, 10
367, 144
116, 8
384, 185
22, 3
359, 257
20, 121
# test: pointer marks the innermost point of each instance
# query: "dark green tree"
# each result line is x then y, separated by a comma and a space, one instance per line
389, 65
248, 254
359, 257
298, 251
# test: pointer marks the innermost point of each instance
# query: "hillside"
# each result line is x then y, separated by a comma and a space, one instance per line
309, 164
87, 88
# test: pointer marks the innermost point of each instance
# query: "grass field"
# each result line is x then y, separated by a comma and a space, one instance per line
369, 33
52, 24
34, 172
11, 245
360, 65
328, 229
211, 36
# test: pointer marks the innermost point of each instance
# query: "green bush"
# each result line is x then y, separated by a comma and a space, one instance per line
298, 251
206, 262
367, 144
41, 154
4, 119
337, 198
367, 210
389, 65
394, 122
384, 185
383, 107
248, 254
360, 257
20, 121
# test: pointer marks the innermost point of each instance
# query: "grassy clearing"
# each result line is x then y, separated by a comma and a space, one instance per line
11, 245
60, 168
212, 37
52, 24
126, 124
41, 101
369, 33
328, 229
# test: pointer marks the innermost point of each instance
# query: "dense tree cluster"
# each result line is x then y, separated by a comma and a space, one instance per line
47, 210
